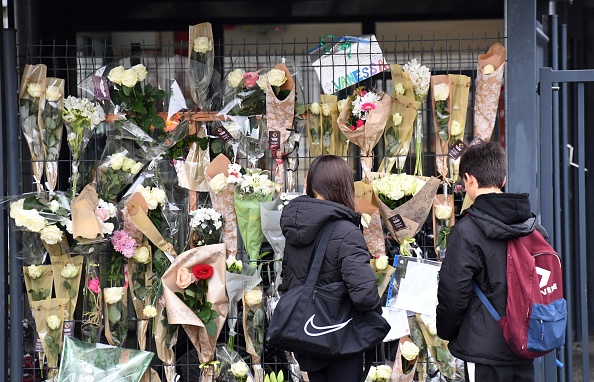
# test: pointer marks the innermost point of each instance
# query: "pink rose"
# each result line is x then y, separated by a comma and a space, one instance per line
250, 78
102, 214
94, 286
185, 278
360, 123
352, 128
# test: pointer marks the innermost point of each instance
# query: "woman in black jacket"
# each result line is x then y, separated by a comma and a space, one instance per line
330, 196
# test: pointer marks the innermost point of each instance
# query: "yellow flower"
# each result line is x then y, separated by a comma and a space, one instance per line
113, 295
235, 77
202, 44
51, 234
341, 104
276, 77
239, 369
443, 212
142, 255
52, 94
381, 262
115, 75
315, 108
383, 372
129, 78
140, 72
136, 168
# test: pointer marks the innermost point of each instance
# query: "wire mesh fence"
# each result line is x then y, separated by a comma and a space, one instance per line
78, 62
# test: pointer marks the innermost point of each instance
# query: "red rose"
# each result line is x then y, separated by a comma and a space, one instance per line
360, 123
352, 128
202, 271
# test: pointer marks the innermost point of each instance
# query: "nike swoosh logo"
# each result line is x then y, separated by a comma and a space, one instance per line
322, 330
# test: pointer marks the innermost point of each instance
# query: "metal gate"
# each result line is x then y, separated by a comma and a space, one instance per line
563, 204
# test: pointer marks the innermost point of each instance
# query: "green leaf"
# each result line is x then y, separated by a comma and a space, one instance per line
67, 285
189, 292
203, 143
216, 146
280, 377
49, 341
204, 315
272, 377
126, 90
211, 328
213, 315
114, 314
30, 202
283, 94
180, 295
72, 293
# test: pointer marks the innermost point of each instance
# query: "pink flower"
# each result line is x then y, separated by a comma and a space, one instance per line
94, 285
352, 128
123, 243
250, 78
367, 106
362, 93
360, 123
102, 214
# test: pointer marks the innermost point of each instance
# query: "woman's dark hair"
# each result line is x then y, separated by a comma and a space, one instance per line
331, 177
486, 162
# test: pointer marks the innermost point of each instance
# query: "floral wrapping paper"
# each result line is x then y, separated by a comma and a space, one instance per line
488, 90
373, 233
37, 288
70, 294
41, 311
441, 145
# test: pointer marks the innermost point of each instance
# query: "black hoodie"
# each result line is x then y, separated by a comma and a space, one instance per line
476, 251
347, 256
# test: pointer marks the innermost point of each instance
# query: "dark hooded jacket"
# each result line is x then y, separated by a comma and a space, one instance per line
477, 251
347, 256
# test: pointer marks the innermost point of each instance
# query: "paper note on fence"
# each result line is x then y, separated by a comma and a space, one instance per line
398, 323
351, 60
418, 289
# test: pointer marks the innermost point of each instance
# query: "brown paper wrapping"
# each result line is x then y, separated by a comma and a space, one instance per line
397, 373
223, 202
51, 164
45, 281
373, 233
366, 137
201, 30
402, 77
41, 310
137, 214
34, 74
387, 276
408, 108
466, 203
337, 146
279, 117
441, 200
179, 313
414, 212
314, 134
58, 262
191, 176
165, 350
138, 302
441, 146
85, 224
460, 91
150, 375
488, 89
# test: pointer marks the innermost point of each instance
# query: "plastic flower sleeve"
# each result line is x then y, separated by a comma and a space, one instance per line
236, 284
314, 130
443, 220
247, 209
31, 91
383, 273
165, 341
190, 171
117, 169
448, 365
253, 137
140, 272
441, 103
328, 111
49, 318
489, 78
98, 362
401, 365
51, 127
116, 314
292, 154
370, 218
201, 63
460, 91
232, 368
254, 318
92, 310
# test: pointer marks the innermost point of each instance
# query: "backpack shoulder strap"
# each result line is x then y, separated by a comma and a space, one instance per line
486, 302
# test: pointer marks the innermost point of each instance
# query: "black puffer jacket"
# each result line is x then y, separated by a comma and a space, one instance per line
476, 251
347, 256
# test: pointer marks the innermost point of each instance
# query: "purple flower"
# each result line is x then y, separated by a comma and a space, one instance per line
458, 189
124, 243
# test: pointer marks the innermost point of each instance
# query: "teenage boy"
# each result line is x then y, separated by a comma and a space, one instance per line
477, 252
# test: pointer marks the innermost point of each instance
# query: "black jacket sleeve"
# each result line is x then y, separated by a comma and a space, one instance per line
455, 284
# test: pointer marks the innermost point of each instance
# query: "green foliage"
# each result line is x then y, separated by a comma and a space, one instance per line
139, 105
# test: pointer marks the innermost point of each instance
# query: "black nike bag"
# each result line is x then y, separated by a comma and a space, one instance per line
320, 320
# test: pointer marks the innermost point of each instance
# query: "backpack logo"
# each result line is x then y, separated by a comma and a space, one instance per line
322, 330
544, 274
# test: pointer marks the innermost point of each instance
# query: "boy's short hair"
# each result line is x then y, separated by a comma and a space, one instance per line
486, 162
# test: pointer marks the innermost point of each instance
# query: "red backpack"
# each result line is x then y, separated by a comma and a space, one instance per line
536, 314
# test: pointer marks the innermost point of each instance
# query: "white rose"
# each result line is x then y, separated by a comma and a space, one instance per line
409, 350
443, 212
381, 262
128, 164
262, 81
399, 88
235, 77
326, 109
372, 375
113, 295
276, 77
159, 195
384, 372
34, 272
54, 205
129, 78
34, 90
315, 108
396, 119
140, 72
51, 234
52, 94
68, 226
456, 128
441, 92
202, 45
115, 75
419, 184
239, 369
136, 168
142, 255
53, 322
107, 228
149, 311
230, 261
116, 161
69, 271
341, 104
365, 220
488, 69
218, 183
253, 297
432, 328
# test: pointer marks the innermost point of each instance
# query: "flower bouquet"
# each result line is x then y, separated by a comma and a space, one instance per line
140, 271
363, 120
449, 366
97, 362
221, 194
249, 93
51, 126
403, 85
253, 137
405, 362
370, 218
92, 316
239, 279
442, 110
32, 89
314, 131
206, 224
201, 63
232, 368
190, 170
383, 272
90, 219
329, 127
380, 373
254, 330
49, 316
67, 273
252, 189
115, 172
489, 78
420, 76
460, 91
443, 220
38, 281
81, 118
194, 292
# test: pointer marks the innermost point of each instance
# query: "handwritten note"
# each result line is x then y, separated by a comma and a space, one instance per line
398, 321
418, 289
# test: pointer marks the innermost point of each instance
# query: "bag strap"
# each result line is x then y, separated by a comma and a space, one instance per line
318, 257
486, 302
